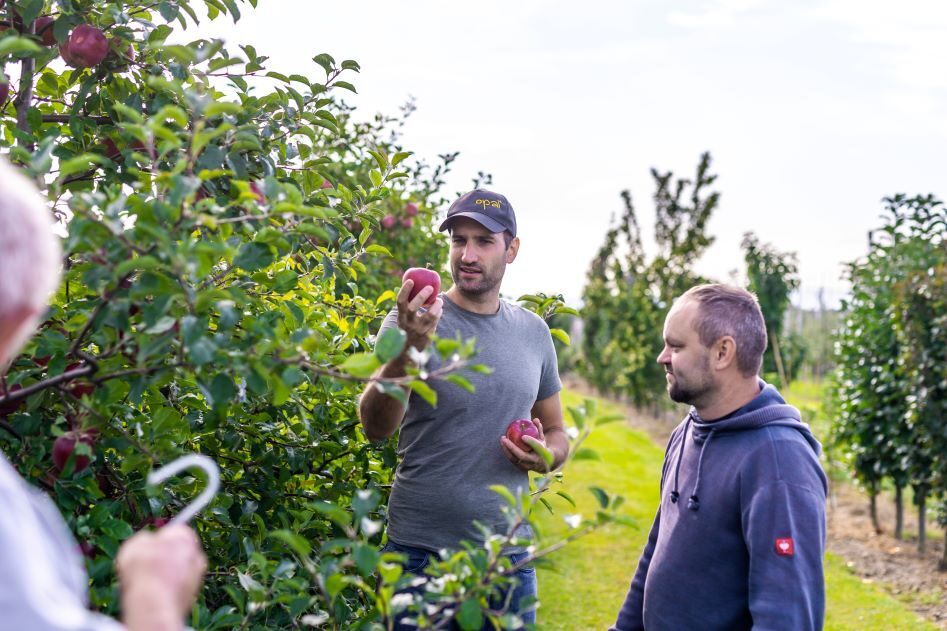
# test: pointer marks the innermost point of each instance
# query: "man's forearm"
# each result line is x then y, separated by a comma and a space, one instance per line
380, 413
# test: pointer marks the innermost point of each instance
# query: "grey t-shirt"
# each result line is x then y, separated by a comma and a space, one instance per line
451, 454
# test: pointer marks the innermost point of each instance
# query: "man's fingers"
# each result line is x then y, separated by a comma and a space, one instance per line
418, 301
403, 293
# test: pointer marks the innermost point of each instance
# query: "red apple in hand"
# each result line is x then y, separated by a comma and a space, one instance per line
422, 278
518, 429
66, 444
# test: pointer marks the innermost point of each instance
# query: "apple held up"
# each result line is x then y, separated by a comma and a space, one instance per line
423, 277
519, 429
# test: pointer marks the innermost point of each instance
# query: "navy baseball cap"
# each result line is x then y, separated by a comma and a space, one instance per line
491, 210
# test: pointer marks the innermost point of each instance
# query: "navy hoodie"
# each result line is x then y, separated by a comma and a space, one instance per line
739, 536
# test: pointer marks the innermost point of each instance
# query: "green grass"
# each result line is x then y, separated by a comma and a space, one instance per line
591, 577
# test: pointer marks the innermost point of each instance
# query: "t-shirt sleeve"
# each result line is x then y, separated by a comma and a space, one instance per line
390, 322
549, 383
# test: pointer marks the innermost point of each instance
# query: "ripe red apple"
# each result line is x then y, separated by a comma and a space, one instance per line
79, 388
65, 445
422, 278
44, 30
518, 429
4, 88
388, 222
407, 222
86, 47
411, 209
327, 184
9, 408
87, 550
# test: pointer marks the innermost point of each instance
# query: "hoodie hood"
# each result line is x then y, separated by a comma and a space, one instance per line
767, 409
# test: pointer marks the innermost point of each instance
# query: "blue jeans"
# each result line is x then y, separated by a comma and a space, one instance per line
416, 559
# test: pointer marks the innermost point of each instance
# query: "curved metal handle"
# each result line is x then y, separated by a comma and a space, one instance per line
186, 462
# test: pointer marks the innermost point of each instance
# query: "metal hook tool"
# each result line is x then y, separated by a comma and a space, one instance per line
186, 462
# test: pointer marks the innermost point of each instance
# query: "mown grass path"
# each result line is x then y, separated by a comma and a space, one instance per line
588, 585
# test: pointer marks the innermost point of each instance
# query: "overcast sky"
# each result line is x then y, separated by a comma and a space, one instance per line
813, 111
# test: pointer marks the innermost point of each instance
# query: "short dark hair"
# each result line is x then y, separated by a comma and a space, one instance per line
728, 310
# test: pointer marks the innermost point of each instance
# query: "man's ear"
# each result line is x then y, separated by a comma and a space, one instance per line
512, 250
724, 353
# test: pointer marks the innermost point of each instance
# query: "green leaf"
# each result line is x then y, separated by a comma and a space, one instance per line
366, 558
223, 389
611, 418
378, 249
600, 495
585, 453
298, 544
544, 453
390, 344
504, 492
481, 368
350, 64
470, 616
253, 256
392, 390
424, 391
548, 506
345, 85
333, 512
16, 44
566, 497
361, 365
460, 381
561, 335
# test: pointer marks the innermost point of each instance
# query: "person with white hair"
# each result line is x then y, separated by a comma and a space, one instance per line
43, 584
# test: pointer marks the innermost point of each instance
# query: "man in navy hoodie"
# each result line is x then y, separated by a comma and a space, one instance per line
738, 539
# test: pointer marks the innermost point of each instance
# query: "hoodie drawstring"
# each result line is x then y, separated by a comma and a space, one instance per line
680, 456
694, 502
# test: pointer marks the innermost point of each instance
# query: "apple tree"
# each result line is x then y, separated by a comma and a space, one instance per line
226, 264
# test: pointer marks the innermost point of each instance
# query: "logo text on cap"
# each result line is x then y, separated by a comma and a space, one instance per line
488, 202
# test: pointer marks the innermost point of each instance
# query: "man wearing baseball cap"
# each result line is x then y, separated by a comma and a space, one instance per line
451, 454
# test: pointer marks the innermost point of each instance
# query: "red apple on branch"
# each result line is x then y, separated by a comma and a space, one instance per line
518, 429
422, 278
411, 209
44, 30
407, 222
86, 47
65, 445
11, 407
388, 222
